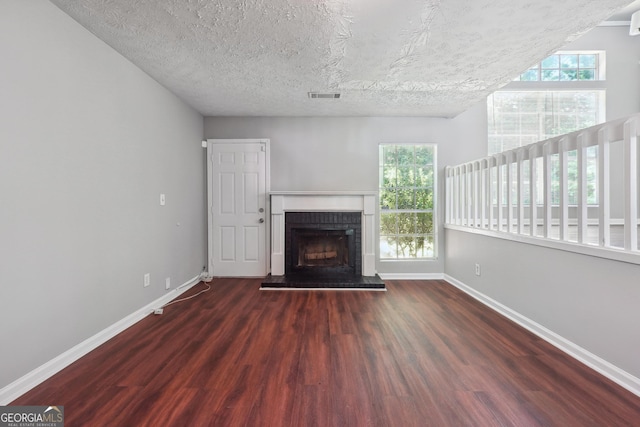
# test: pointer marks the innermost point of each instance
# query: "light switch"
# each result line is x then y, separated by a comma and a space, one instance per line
162, 200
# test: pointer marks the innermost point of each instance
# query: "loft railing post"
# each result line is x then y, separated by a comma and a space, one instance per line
509, 179
533, 190
563, 213
476, 172
631, 185
490, 192
521, 190
469, 195
604, 211
546, 204
461, 190
583, 142
483, 193
500, 190
469, 198
454, 193
447, 199
463, 195
447, 189
457, 200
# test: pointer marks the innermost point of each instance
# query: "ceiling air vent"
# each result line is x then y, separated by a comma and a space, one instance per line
319, 95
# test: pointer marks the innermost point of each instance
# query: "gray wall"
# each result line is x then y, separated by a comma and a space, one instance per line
324, 153
591, 301
87, 144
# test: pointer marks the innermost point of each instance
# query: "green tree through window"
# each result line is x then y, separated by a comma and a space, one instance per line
407, 194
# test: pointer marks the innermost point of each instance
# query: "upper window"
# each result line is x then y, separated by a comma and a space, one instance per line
566, 66
407, 195
563, 93
519, 118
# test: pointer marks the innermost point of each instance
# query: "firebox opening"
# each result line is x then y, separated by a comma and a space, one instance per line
323, 250
323, 244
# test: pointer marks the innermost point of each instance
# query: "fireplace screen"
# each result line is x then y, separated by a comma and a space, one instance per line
323, 249
326, 250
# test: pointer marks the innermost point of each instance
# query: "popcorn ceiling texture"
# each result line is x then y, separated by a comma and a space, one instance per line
387, 58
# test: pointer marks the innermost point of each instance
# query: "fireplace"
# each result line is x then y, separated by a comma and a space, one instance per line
323, 239
318, 243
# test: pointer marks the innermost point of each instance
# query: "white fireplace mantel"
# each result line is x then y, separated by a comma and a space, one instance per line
323, 201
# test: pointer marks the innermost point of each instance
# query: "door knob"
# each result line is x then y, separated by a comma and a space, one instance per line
261, 220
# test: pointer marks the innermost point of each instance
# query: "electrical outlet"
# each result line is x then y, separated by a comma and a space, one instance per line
162, 199
147, 279
167, 283
477, 269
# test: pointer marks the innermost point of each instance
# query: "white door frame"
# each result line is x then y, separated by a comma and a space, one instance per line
267, 204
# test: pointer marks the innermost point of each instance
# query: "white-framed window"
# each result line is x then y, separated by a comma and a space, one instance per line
563, 93
407, 185
519, 118
567, 66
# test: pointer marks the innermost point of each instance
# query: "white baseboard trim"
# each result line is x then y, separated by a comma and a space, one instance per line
285, 289
411, 276
596, 363
25, 383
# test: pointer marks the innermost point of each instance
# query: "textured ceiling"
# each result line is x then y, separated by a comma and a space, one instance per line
385, 57
625, 13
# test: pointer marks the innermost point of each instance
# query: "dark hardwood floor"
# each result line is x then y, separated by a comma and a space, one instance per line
421, 354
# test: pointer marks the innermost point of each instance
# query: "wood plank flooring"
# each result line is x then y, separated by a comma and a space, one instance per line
421, 354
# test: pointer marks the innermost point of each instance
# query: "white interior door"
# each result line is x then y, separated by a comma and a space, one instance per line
237, 202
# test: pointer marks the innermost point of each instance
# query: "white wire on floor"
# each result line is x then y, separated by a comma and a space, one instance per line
189, 297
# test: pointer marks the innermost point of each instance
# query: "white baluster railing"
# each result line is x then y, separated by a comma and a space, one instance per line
532, 192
